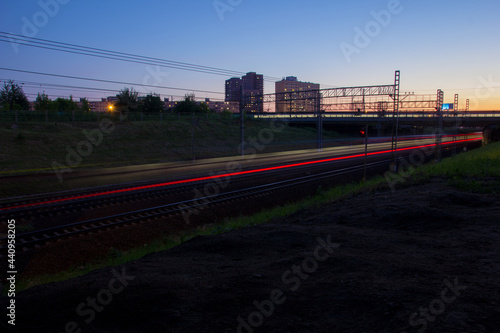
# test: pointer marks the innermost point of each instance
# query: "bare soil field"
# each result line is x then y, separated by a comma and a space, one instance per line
421, 259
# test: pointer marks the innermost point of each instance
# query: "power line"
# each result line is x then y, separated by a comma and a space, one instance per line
128, 57
102, 51
7, 37
121, 56
115, 58
107, 81
114, 55
52, 86
58, 86
64, 87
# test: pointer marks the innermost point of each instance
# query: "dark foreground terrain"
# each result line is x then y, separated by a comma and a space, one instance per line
425, 258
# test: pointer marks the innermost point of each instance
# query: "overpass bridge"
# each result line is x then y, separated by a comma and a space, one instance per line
405, 118
380, 105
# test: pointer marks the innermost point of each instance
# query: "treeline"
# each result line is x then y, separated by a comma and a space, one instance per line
128, 101
12, 97
44, 103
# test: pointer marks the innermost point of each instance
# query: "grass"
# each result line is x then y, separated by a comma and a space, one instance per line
476, 164
33, 147
483, 162
24, 227
477, 171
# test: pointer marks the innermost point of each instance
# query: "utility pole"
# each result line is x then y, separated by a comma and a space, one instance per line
193, 125
320, 121
320, 131
366, 152
242, 122
439, 136
467, 103
395, 121
455, 113
364, 106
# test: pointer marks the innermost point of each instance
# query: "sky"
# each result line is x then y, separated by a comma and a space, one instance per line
436, 44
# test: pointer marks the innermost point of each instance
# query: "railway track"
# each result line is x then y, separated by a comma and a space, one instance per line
39, 237
57, 206
61, 202
240, 189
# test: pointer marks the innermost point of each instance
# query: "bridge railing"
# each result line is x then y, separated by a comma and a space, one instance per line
374, 115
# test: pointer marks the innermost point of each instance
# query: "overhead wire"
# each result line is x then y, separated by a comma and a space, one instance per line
120, 56
107, 81
52, 86
114, 55
127, 57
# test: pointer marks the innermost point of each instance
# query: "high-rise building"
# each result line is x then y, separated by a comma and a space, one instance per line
249, 90
253, 92
233, 89
293, 95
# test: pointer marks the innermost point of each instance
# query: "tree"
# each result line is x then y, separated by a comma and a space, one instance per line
127, 101
151, 104
64, 104
12, 97
189, 105
85, 105
43, 103
204, 108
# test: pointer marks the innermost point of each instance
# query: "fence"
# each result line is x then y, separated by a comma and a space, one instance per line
80, 116
20, 116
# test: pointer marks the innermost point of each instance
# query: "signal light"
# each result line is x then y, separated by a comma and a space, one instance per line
362, 133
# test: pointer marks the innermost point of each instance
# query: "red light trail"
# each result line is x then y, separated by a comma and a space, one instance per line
193, 180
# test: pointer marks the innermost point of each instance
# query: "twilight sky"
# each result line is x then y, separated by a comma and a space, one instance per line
437, 44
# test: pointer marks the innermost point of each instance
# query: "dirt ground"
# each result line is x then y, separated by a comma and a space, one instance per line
421, 259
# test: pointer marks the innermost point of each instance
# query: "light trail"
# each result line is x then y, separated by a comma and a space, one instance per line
239, 173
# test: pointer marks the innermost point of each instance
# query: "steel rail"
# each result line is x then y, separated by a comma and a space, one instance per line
38, 237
